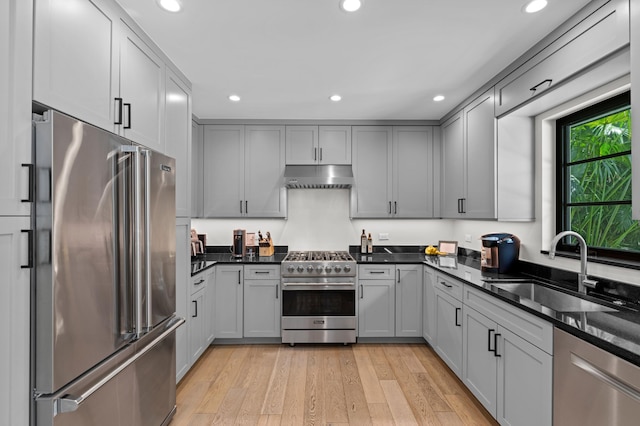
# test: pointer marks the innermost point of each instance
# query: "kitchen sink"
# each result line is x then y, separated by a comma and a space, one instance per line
531, 291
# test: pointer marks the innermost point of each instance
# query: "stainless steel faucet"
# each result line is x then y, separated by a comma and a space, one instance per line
583, 281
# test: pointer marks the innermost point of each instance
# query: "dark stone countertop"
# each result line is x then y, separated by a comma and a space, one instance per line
617, 332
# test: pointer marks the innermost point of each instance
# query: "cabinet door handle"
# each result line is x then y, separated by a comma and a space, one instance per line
239, 277
196, 314
320, 154
119, 115
29, 233
395, 207
464, 205
389, 207
277, 291
240, 206
31, 183
459, 205
315, 154
446, 285
246, 207
495, 345
458, 310
398, 276
199, 282
361, 291
128, 125
548, 81
489, 340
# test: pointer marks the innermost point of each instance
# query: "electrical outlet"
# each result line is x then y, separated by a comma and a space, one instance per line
383, 236
467, 237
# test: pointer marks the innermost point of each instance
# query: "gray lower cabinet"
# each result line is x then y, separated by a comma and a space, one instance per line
210, 307
448, 328
228, 301
408, 301
262, 301
197, 323
429, 305
376, 303
183, 296
507, 360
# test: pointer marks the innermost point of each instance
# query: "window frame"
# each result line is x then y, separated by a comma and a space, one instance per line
593, 112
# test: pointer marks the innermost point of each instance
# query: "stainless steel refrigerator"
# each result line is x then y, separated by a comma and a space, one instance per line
104, 278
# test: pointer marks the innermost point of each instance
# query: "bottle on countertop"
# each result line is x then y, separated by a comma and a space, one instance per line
363, 243
369, 244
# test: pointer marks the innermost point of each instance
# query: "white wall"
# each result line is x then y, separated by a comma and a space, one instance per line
319, 220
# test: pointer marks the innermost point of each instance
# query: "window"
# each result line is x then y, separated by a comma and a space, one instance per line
594, 180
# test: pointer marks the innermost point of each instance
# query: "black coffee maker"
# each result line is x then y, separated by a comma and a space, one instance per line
238, 249
499, 252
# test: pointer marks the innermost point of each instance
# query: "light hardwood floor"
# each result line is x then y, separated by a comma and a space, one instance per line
382, 384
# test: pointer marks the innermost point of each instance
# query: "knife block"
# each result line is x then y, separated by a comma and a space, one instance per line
266, 247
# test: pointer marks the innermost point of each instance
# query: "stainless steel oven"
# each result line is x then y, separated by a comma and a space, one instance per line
319, 298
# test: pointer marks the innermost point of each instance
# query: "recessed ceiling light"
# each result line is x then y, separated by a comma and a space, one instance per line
170, 5
335, 98
350, 5
535, 6
438, 98
234, 98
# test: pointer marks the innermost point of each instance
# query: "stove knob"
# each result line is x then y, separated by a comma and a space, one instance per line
328, 268
347, 268
291, 268
337, 268
319, 268
300, 268
309, 268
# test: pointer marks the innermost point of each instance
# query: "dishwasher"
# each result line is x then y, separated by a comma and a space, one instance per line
592, 386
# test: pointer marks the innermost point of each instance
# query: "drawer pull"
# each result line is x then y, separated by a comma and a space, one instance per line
495, 345
458, 310
548, 82
489, 340
199, 282
446, 285
260, 272
376, 272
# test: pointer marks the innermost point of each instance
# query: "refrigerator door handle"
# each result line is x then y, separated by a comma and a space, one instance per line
147, 235
71, 403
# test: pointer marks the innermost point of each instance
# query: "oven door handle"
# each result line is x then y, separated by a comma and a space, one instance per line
309, 286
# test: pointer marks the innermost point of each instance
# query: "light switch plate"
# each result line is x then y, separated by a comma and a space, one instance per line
383, 236
467, 237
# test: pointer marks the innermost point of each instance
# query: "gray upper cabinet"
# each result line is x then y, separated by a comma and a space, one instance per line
468, 161
243, 171
177, 132
635, 105
142, 91
318, 145
88, 36
196, 169
393, 171
603, 32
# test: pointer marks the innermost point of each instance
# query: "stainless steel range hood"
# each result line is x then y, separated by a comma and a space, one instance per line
318, 176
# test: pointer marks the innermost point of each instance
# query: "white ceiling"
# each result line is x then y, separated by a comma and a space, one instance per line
388, 60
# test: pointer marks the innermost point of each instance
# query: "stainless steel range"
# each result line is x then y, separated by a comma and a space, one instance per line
319, 297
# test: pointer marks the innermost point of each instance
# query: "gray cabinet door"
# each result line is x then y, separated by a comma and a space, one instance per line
480, 188
197, 325
261, 308
480, 363
197, 171
449, 331
413, 172
264, 159
210, 308
69, 32
334, 143
453, 167
376, 308
178, 141
408, 301
525, 378
371, 192
302, 144
429, 306
223, 171
228, 304
142, 75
